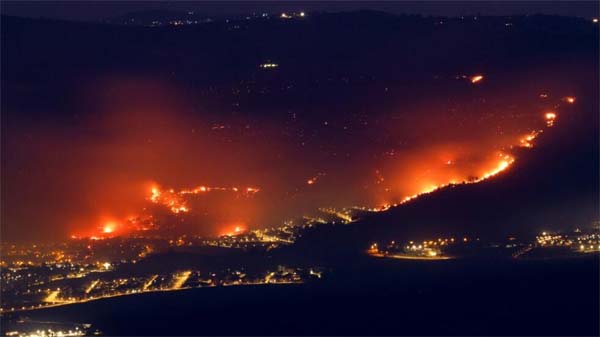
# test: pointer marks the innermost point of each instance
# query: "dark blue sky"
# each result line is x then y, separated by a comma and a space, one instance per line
97, 10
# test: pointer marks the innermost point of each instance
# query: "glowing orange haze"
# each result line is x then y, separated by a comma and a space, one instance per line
146, 159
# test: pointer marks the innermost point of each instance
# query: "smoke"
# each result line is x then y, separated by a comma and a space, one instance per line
134, 133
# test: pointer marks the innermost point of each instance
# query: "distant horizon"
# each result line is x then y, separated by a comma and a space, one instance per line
100, 11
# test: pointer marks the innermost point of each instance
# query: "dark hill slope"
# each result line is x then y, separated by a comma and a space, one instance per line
553, 186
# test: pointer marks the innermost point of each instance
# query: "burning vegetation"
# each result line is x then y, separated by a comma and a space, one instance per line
158, 139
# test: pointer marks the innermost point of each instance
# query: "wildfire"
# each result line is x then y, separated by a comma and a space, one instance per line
197, 190
108, 228
234, 230
203, 189
169, 198
180, 209
313, 180
550, 117
503, 163
448, 169
155, 194
476, 78
526, 141
174, 200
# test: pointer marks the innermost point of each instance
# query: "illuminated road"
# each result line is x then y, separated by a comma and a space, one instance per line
269, 276
520, 252
92, 286
52, 297
149, 283
180, 279
59, 302
410, 257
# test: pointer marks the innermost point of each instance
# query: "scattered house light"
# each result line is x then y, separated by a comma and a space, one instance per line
269, 65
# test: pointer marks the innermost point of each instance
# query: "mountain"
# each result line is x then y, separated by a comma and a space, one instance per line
157, 17
551, 187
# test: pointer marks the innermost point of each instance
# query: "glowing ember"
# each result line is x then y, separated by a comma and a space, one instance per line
234, 230
173, 199
550, 117
526, 140
155, 194
169, 199
569, 99
180, 209
202, 189
314, 179
476, 78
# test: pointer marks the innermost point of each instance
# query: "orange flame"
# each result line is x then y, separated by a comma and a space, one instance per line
476, 78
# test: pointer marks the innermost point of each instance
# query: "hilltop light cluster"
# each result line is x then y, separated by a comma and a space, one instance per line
269, 65
576, 240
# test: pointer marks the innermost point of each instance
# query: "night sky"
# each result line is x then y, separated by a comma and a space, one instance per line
98, 10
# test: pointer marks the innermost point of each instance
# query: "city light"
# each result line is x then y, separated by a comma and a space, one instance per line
269, 65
